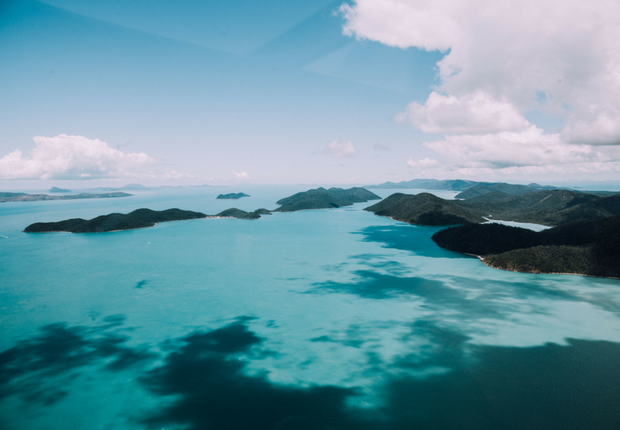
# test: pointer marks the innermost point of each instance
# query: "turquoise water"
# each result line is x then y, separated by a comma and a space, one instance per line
326, 319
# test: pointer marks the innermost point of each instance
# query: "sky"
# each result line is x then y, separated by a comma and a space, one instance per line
225, 92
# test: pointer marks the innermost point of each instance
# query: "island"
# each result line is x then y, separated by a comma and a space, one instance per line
238, 213
320, 198
582, 247
24, 197
58, 190
425, 209
139, 218
547, 207
232, 196
457, 185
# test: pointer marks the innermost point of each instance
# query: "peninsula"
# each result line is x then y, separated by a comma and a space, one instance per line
24, 197
581, 247
320, 198
232, 196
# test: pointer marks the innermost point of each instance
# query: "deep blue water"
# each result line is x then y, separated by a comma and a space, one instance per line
326, 319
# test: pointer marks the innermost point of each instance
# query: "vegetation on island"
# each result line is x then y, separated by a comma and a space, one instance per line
547, 207
238, 213
320, 198
589, 247
424, 209
139, 218
232, 196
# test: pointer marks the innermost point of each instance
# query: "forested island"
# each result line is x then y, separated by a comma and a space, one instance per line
585, 238
580, 247
24, 197
139, 218
547, 207
320, 198
232, 196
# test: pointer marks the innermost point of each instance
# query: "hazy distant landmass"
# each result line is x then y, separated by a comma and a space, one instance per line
232, 196
58, 190
581, 247
320, 198
426, 184
548, 207
24, 197
470, 188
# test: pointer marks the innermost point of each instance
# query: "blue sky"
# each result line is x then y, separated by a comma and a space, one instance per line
269, 92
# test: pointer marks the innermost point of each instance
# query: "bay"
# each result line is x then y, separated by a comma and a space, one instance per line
313, 319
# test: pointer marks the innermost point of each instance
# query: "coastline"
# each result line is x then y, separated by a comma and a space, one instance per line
540, 273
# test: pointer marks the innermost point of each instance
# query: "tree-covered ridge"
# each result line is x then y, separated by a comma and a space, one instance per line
547, 207
320, 198
425, 209
585, 247
484, 188
139, 218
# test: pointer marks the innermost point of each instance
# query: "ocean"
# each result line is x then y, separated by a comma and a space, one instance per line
319, 319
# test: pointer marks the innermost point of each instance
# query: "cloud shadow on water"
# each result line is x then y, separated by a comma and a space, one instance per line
206, 374
416, 239
573, 386
436, 294
38, 367
576, 386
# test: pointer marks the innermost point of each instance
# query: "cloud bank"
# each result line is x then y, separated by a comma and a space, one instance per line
502, 60
476, 113
71, 157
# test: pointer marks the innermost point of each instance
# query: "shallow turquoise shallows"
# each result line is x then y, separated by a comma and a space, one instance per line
322, 319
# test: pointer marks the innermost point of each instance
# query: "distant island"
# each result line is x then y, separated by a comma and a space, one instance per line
320, 198
548, 207
581, 247
232, 196
24, 197
455, 185
139, 218
58, 190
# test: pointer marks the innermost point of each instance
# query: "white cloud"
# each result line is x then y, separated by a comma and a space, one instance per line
527, 153
599, 128
71, 157
476, 113
513, 52
422, 164
241, 175
499, 150
342, 149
